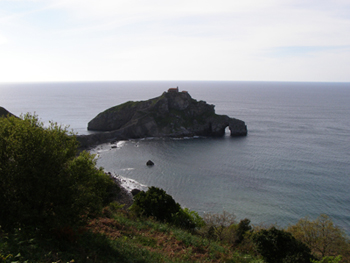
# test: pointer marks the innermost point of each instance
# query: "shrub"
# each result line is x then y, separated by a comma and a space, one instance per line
195, 218
218, 225
278, 246
242, 228
156, 203
44, 182
187, 219
329, 259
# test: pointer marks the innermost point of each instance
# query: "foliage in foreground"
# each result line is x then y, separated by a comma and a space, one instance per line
120, 236
44, 182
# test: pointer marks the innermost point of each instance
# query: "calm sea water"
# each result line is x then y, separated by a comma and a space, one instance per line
294, 162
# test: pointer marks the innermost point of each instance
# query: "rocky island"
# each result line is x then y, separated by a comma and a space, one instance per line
4, 112
173, 114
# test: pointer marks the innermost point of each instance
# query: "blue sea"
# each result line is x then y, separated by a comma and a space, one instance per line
295, 161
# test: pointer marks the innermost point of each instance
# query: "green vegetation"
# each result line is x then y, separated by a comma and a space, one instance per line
56, 206
278, 246
158, 204
132, 104
126, 105
322, 236
181, 118
155, 203
44, 182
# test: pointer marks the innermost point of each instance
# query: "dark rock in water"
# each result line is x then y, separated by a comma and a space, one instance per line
135, 191
149, 163
237, 127
114, 146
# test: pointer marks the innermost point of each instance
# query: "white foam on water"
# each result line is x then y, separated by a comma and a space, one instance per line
127, 169
130, 184
120, 144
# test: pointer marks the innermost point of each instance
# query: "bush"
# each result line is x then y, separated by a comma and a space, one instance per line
329, 259
156, 203
195, 218
188, 219
278, 246
218, 226
242, 228
44, 182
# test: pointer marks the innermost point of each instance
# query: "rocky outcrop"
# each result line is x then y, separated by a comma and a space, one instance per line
122, 195
173, 114
5, 113
149, 163
237, 127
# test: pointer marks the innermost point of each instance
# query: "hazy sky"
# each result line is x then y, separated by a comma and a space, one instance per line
82, 40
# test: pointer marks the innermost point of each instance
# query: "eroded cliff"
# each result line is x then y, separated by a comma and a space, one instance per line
173, 114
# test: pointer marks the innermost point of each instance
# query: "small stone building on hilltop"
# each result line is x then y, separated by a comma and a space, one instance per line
174, 90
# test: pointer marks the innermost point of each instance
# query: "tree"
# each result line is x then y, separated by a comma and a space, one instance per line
217, 225
44, 182
242, 228
321, 235
279, 246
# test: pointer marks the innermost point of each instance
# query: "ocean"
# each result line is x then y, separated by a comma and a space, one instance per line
295, 161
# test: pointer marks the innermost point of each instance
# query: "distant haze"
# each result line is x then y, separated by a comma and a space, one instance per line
86, 40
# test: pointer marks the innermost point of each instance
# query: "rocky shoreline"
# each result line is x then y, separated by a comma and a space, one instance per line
128, 189
124, 196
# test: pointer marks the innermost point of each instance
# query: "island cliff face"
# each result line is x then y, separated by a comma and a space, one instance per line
173, 114
4, 112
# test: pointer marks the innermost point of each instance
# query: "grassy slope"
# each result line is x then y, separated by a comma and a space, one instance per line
118, 237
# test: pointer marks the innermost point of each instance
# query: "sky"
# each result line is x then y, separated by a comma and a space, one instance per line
111, 40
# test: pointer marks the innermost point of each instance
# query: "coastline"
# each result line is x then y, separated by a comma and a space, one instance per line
293, 164
126, 185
